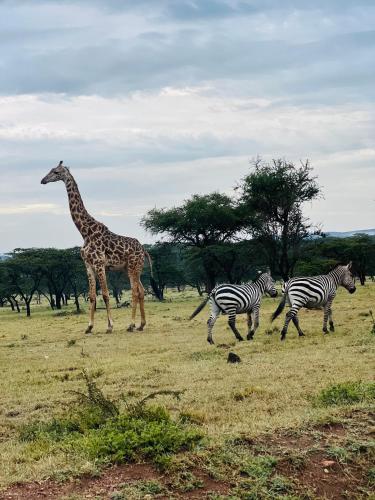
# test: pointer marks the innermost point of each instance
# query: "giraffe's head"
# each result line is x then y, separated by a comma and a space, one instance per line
58, 173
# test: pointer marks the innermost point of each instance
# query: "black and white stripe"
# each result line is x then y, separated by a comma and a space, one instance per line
314, 292
237, 299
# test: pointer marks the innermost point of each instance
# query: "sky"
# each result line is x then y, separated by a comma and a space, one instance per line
151, 101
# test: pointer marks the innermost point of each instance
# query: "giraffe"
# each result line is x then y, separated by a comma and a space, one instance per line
103, 250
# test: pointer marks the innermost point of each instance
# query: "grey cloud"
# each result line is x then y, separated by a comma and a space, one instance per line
84, 59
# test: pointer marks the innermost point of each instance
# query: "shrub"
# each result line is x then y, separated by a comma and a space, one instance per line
98, 429
346, 393
149, 434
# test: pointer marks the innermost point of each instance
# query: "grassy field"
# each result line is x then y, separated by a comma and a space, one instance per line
271, 391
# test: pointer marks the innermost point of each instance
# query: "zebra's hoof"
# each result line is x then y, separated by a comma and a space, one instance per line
325, 331
249, 336
301, 334
240, 339
210, 341
331, 328
282, 337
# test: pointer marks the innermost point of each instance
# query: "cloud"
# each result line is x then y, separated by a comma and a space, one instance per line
32, 208
149, 102
258, 46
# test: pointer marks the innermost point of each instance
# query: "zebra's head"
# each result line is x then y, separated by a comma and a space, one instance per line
268, 284
347, 279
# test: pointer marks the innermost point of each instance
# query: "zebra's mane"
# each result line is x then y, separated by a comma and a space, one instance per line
337, 266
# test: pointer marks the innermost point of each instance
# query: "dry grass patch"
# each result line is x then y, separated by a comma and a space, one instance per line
271, 389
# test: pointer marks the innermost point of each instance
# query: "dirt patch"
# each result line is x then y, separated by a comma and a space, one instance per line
111, 481
324, 477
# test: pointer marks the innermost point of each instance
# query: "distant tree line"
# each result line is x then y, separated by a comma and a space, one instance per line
208, 239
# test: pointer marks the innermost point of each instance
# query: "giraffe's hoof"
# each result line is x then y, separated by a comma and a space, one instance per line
88, 330
140, 328
109, 330
130, 328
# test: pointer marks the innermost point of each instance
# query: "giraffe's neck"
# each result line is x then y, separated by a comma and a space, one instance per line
81, 218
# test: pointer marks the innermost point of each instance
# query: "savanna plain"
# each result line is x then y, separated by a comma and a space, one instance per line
293, 419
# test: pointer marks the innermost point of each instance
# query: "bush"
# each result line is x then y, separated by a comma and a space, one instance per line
98, 429
346, 393
149, 434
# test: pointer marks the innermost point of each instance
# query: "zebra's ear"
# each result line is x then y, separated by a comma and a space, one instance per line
349, 266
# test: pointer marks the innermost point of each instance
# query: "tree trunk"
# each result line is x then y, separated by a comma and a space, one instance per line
76, 301
28, 311
362, 277
58, 301
52, 301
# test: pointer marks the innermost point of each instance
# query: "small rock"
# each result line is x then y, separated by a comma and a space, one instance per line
327, 463
233, 358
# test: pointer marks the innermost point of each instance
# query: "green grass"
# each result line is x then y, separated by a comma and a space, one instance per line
347, 393
41, 360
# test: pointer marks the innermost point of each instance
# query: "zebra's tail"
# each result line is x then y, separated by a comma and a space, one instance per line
200, 307
153, 283
280, 308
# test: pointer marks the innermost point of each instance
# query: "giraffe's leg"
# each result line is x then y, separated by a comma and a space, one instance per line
215, 311
232, 324
92, 295
141, 298
134, 286
105, 293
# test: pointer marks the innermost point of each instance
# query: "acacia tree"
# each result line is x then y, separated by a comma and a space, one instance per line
274, 194
23, 273
201, 222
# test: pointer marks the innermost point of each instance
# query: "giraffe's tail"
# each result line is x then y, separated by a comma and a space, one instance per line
153, 283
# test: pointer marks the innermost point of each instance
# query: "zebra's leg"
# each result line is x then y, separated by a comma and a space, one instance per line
255, 323
325, 318
289, 315
249, 326
296, 324
215, 311
330, 318
232, 324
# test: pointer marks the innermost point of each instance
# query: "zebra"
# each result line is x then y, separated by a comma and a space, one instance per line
313, 292
236, 299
